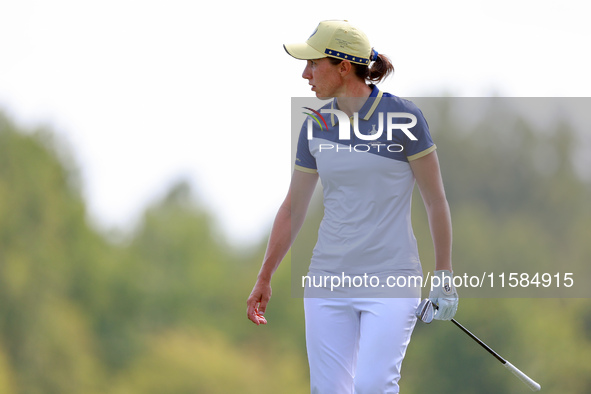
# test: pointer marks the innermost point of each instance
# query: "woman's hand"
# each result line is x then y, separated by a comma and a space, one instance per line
288, 222
257, 302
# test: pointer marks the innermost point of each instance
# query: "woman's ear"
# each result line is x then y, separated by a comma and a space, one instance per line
345, 67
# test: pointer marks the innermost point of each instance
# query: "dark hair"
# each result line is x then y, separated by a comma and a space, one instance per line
376, 72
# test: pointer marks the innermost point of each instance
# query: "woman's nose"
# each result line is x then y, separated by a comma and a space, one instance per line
307, 74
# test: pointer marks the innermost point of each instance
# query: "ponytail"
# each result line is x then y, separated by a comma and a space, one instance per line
379, 70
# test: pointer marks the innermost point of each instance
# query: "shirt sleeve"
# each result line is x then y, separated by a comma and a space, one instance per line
304, 160
424, 143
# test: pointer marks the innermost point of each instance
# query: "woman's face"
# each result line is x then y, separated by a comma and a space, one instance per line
324, 77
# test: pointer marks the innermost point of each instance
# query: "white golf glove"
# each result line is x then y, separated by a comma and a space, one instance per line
444, 295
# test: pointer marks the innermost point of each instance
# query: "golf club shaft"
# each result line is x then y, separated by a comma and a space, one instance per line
484, 345
425, 313
532, 384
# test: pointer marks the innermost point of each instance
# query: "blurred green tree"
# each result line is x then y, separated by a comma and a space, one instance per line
164, 309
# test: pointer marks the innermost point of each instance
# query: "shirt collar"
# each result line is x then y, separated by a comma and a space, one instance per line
368, 107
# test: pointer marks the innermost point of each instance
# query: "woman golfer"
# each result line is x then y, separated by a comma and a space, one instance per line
368, 148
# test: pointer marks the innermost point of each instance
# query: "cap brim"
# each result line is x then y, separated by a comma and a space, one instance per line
303, 51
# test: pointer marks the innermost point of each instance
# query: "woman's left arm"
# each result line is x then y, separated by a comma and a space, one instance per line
428, 175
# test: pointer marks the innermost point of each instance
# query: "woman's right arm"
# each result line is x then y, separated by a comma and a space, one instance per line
287, 224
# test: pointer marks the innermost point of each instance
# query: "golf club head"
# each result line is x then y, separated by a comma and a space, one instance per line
425, 311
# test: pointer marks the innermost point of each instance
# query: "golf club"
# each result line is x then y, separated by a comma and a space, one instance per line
425, 313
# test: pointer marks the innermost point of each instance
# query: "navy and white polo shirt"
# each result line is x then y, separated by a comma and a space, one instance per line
366, 228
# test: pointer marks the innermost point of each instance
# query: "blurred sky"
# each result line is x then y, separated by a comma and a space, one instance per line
145, 93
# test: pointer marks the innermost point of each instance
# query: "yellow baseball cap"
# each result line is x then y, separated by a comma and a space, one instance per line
336, 39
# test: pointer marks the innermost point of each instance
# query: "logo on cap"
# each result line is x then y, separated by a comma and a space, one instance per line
315, 31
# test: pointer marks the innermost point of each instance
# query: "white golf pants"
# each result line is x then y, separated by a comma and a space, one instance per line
356, 345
